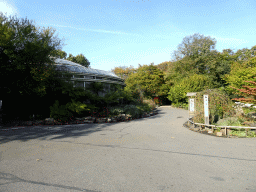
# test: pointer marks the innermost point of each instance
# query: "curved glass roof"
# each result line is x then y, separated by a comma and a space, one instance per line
66, 65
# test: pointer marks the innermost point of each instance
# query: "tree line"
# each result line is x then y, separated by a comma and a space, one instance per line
28, 86
196, 66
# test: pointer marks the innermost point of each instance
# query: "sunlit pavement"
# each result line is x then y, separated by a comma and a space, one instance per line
149, 154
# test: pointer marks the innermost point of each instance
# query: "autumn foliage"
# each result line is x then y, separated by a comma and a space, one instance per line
249, 92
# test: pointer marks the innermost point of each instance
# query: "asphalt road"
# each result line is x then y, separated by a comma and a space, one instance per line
150, 154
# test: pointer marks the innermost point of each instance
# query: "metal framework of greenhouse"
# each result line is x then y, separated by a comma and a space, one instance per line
83, 76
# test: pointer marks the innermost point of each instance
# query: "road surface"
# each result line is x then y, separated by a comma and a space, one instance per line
150, 154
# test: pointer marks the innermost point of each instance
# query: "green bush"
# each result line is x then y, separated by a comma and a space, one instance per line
115, 111
229, 121
133, 110
220, 106
178, 92
60, 113
76, 107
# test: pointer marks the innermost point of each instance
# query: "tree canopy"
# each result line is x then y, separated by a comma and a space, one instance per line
81, 59
24, 50
148, 81
123, 71
194, 45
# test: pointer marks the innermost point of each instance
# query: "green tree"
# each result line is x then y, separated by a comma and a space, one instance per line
148, 81
245, 54
123, 71
195, 83
239, 74
24, 51
80, 59
194, 45
59, 54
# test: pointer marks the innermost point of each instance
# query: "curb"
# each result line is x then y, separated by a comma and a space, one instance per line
2, 128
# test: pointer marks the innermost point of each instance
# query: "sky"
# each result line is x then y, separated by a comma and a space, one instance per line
114, 33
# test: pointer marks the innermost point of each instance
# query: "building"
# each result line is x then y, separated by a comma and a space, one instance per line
83, 76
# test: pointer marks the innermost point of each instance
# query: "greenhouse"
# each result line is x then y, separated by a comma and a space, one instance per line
83, 76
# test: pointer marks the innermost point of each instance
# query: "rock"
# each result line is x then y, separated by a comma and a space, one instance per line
101, 120
248, 105
88, 121
219, 134
49, 119
210, 131
196, 129
109, 120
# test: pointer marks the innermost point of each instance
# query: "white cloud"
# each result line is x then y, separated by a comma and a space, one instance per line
8, 8
92, 30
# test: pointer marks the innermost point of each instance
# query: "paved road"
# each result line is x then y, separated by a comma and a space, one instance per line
150, 154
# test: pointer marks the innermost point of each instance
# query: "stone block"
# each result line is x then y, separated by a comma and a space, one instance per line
219, 134
49, 119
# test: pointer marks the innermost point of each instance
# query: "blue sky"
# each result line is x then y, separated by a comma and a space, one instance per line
113, 33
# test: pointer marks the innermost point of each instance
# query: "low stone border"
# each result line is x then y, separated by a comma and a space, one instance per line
85, 120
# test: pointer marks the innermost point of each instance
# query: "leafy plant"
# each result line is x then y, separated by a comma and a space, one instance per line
178, 92
60, 113
229, 121
220, 106
76, 107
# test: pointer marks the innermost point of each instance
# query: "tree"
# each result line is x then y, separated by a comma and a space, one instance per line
240, 73
24, 51
194, 46
148, 81
164, 66
178, 92
23, 48
245, 54
80, 59
123, 71
59, 54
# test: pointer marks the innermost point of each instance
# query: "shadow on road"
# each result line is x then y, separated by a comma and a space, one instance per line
51, 132
8, 178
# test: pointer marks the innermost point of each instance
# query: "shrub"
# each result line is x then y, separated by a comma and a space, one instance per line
76, 107
150, 103
229, 121
220, 106
133, 110
115, 111
60, 113
178, 92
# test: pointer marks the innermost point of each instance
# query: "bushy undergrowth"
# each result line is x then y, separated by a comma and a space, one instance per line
60, 112
220, 106
230, 121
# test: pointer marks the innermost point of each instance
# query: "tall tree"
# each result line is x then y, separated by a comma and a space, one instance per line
59, 54
24, 51
123, 71
194, 45
239, 74
147, 81
80, 59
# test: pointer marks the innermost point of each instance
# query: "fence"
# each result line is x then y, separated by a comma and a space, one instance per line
213, 127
